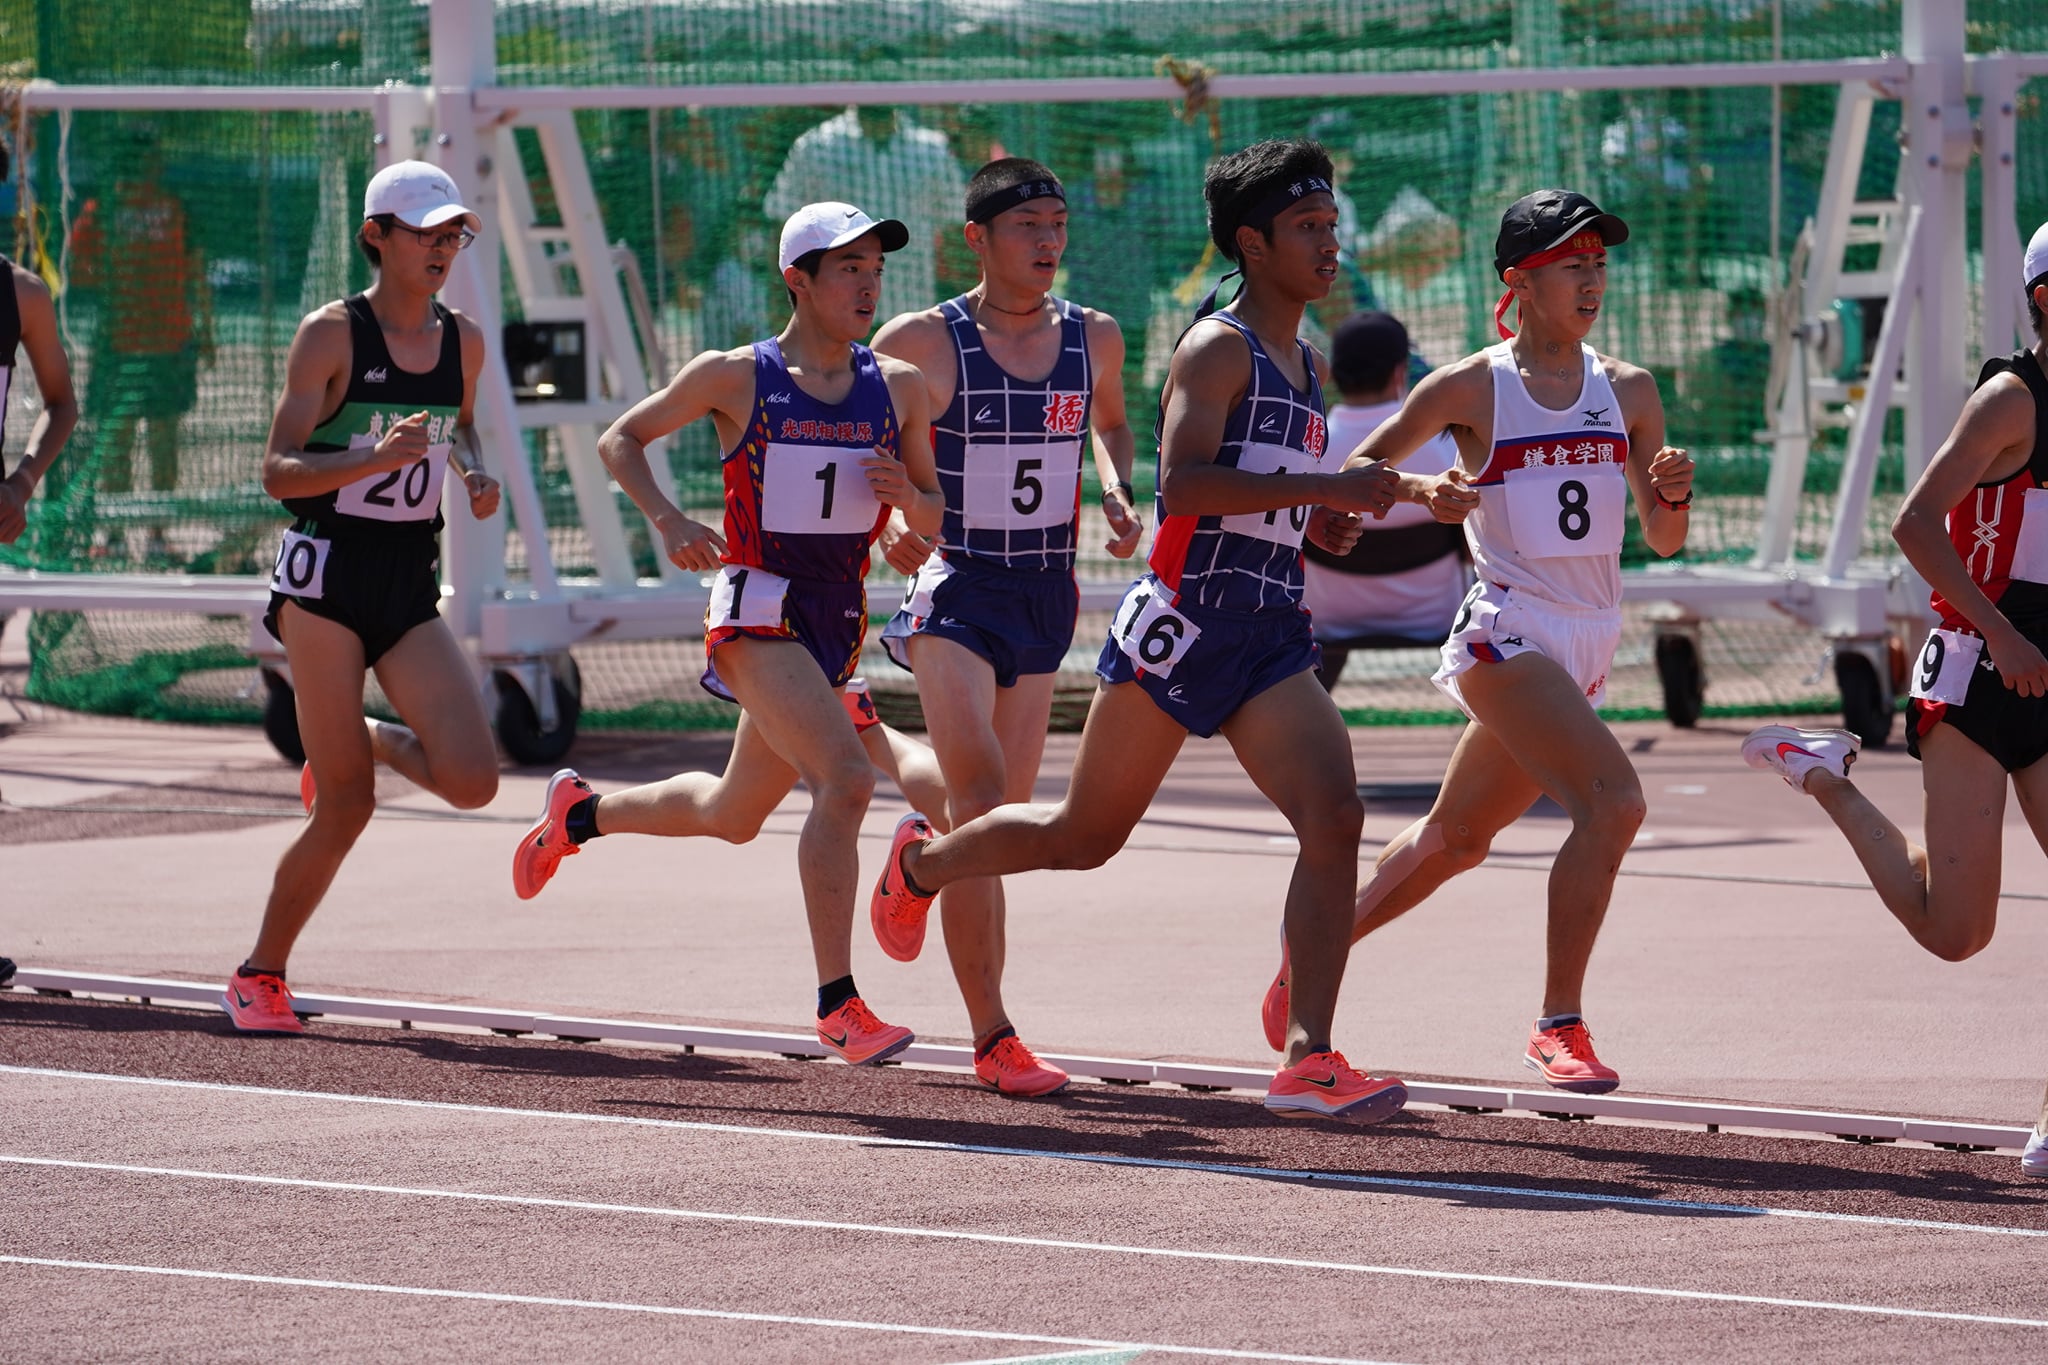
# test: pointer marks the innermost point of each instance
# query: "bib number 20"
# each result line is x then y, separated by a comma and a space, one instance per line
1150, 632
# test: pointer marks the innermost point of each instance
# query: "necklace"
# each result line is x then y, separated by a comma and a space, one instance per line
1032, 312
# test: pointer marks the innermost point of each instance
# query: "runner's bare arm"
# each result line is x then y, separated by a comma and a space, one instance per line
1992, 439
45, 350
465, 452
717, 384
1655, 480
1115, 447
1210, 373
1445, 400
908, 481
315, 379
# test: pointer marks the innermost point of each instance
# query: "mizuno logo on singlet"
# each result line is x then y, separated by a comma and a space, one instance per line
1595, 417
376, 376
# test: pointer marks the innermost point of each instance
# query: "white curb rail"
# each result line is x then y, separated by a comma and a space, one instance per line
1115, 1070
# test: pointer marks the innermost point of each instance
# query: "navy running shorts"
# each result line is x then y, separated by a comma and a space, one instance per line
1020, 620
1213, 661
828, 619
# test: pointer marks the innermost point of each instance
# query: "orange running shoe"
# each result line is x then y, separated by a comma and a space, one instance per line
260, 1003
1273, 1014
898, 913
1324, 1084
1014, 1069
1563, 1057
306, 792
541, 851
860, 1039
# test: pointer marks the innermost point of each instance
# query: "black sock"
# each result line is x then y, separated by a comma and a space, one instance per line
580, 824
833, 994
988, 1044
246, 970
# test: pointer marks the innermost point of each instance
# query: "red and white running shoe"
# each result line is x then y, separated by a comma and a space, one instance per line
1324, 1085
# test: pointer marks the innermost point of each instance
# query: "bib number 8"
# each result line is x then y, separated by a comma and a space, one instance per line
1573, 520
1566, 510
1150, 632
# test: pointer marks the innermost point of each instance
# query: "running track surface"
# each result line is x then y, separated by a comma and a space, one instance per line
175, 1192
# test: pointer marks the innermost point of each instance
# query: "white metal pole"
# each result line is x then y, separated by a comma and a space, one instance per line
1998, 86
1936, 129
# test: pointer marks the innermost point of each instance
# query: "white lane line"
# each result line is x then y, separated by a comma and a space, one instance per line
678, 1311
1043, 1243
1277, 1173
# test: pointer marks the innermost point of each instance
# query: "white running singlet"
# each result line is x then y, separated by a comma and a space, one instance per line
1553, 498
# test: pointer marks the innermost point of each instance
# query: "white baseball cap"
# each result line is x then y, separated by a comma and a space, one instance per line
821, 227
419, 194
2037, 257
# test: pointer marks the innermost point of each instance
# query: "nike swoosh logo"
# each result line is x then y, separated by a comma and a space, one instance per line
840, 1041
243, 1000
1790, 748
1548, 1057
1330, 1084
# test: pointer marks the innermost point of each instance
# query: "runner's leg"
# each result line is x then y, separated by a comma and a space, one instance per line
731, 806
445, 746
913, 767
327, 676
1292, 743
800, 716
1946, 894
1543, 721
989, 741
1127, 746
1484, 791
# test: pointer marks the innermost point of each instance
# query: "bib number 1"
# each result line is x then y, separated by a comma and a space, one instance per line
742, 595
1947, 663
1150, 632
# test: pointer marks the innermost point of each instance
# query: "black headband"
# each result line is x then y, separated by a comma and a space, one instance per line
992, 202
1262, 214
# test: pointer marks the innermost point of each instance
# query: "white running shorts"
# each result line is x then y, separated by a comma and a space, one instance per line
1497, 623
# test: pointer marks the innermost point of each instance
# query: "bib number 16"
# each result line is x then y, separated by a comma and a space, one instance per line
1150, 632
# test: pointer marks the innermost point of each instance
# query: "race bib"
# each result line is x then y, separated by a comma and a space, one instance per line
301, 568
409, 494
1947, 662
745, 596
1021, 487
917, 598
1566, 509
816, 490
1285, 525
1149, 631
2030, 556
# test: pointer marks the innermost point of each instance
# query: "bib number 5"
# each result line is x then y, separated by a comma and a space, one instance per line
1947, 662
1150, 632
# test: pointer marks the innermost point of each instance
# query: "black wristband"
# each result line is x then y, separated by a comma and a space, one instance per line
1678, 506
1130, 493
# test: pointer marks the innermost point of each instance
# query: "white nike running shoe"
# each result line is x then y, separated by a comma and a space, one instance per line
1792, 753
2034, 1161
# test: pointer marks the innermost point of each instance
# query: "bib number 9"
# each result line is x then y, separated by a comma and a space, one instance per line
1558, 510
1149, 631
301, 568
745, 596
1947, 663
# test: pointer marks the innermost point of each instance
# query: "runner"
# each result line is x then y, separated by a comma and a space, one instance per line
988, 619
378, 395
28, 322
1214, 637
1554, 439
822, 437
1975, 526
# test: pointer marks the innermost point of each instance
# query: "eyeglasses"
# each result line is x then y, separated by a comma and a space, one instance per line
457, 238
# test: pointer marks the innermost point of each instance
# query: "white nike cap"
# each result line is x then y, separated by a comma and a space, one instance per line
821, 227
2037, 257
419, 194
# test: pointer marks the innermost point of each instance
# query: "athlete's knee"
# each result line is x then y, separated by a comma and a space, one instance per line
1956, 937
1614, 808
344, 808
1080, 846
847, 784
734, 826
468, 786
1335, 821
971, 801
